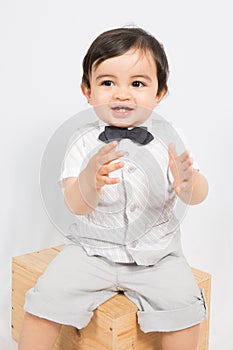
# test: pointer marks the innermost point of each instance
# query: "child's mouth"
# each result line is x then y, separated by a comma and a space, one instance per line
121, 111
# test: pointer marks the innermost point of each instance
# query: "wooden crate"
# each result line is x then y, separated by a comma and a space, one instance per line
114, 324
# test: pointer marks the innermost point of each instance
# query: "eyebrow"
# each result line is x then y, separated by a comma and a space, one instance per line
102, 76
144, 76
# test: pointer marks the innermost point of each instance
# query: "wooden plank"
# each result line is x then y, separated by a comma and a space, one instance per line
118, 306
200, 276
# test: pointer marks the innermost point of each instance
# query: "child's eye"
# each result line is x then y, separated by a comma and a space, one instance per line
107, 83
138, 84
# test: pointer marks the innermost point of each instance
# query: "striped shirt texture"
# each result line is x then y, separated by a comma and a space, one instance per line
135, 220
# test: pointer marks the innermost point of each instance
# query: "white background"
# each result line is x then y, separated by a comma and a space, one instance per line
42, 46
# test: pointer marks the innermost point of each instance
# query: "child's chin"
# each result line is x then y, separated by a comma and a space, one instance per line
121, 124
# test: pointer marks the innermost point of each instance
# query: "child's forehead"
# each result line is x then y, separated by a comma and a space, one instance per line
133, 56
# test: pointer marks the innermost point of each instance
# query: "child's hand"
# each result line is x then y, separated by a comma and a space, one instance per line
181, 168
100, 165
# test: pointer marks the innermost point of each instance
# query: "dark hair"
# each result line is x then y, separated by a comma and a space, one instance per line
116, 42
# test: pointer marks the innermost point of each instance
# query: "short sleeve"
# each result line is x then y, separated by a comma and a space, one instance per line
73, 160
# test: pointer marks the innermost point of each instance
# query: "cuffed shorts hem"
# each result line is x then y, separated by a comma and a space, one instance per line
174, 320
75, 314
80, 321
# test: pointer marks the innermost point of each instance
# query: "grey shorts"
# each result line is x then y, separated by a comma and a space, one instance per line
74, 284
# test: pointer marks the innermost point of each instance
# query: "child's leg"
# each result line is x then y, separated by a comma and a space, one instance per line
38, 333
186, 339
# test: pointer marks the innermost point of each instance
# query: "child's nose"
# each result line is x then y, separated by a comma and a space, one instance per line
122, 94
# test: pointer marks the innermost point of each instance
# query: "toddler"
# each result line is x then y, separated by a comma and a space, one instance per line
121, 181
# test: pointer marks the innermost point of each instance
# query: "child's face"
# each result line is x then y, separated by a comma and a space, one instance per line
124, 89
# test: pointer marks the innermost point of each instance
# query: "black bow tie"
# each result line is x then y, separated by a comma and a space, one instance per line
137, 134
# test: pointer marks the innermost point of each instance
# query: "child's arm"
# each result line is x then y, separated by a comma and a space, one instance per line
190, 185
82, 193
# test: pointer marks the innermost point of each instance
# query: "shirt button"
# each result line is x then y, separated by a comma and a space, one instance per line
133, 207
126, 154
131, 169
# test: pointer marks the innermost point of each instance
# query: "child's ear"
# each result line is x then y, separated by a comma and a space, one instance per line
86, 92
160, 96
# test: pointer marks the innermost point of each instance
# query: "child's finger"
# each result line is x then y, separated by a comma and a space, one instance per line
177, 189
172, 150
184, 156
109, 147
106, 169
107, 158
111, 180
188, 174
106, 180
187, 164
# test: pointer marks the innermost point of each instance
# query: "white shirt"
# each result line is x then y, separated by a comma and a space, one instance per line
134, 220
